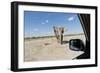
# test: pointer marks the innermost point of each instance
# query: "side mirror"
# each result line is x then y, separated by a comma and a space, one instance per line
76, 45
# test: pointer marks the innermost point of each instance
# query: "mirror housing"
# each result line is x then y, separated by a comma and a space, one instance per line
76, 45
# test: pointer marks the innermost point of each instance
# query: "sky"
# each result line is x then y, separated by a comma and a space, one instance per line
41, 23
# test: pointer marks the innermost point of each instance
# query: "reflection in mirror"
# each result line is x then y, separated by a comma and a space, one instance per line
76, 45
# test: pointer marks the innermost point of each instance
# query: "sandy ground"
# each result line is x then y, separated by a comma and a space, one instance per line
44, 49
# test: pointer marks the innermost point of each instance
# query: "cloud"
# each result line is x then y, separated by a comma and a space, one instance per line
35, 29
49, 32
46, 21
42, 23
70, 18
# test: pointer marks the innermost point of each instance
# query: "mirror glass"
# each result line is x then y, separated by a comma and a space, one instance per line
76, 44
